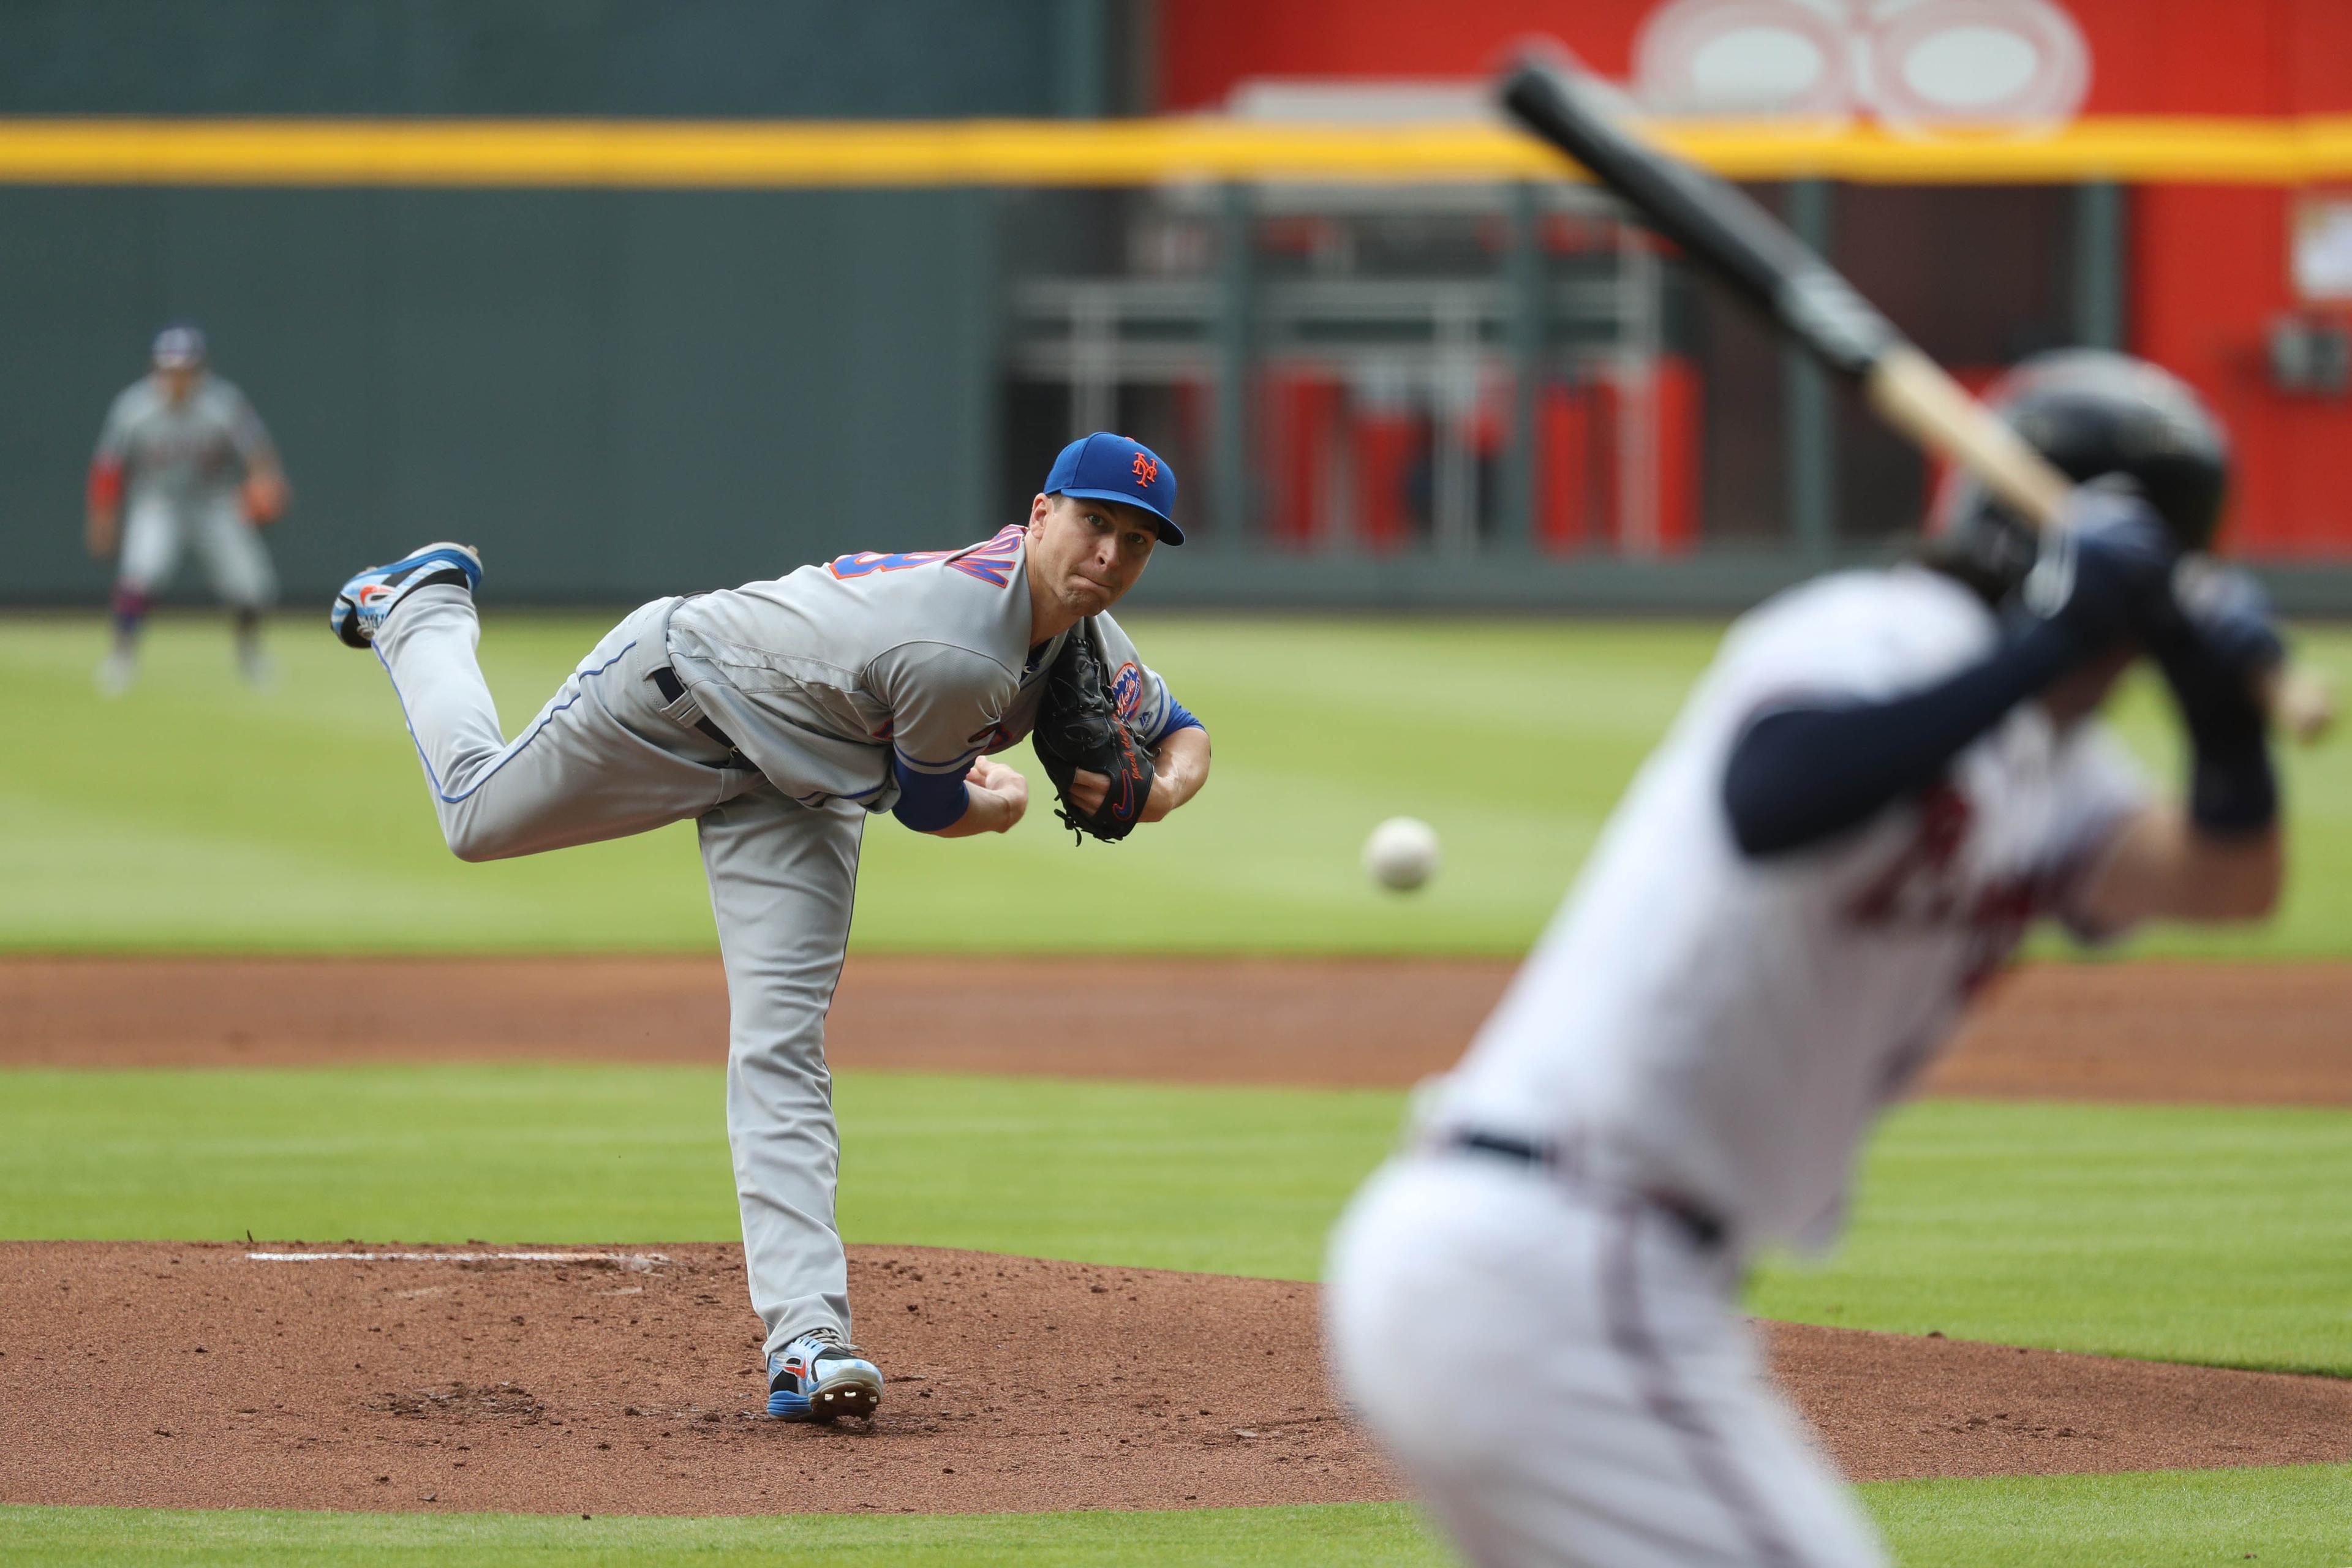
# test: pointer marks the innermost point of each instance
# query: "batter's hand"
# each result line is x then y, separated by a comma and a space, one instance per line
2233, 615
2230, 614
99, 530
2107, 575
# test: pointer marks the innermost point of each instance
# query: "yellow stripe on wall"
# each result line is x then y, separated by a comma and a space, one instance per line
656, 155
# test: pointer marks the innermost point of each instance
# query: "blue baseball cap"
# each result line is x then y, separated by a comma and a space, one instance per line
179, 345
1104, 467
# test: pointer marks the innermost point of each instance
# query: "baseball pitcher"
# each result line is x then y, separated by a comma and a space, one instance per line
778, 716
1884, 779
184, 458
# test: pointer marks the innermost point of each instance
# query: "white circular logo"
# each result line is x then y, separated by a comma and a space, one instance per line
2014, 63
1746, 57
1918, 66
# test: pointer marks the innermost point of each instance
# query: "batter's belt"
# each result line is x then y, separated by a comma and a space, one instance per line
1702, 1225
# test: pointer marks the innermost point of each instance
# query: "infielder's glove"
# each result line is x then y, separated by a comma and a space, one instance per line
264, 500
1078, 727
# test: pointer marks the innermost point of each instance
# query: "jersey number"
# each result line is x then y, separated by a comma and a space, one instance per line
865, 563
991, 561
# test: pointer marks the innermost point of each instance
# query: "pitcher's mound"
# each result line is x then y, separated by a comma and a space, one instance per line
626, 1380
185, 1375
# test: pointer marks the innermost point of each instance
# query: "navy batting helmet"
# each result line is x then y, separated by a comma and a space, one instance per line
2101, 418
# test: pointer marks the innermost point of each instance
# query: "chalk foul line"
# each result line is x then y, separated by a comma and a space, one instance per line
636, 1261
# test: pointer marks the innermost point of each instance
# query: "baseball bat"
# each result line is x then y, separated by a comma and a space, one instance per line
1752, 253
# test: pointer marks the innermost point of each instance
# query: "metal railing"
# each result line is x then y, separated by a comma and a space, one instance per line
1448, 344
1475, 346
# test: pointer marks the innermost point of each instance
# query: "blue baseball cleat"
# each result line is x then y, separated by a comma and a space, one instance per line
360, 608
818, 1378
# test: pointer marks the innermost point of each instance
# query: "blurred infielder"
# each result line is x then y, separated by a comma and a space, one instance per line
776, 716
184, 455
1885, 776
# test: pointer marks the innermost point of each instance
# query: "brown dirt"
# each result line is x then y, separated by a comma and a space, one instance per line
170, 1374
1891, 1406
2195, 1034
1015, 1384
181, 1375
2158, 1031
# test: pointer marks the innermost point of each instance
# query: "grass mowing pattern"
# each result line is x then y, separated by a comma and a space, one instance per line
1513, 740
1222, 1180
2188, 1234
2296, 1516
197, 815
2176, 1232
1379, 1535
2299, 1517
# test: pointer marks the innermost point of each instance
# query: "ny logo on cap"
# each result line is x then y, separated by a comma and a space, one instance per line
1146, 469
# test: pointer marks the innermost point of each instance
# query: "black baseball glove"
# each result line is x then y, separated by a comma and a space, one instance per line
1078, 728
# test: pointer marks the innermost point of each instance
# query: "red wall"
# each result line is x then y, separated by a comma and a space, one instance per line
2148, 57
2209, 269
1206, 46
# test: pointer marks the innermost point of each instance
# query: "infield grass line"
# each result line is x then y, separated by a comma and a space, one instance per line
2207, 1235
1382, 1535
2294, 1517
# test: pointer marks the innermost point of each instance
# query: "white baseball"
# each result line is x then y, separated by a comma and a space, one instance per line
1402, 853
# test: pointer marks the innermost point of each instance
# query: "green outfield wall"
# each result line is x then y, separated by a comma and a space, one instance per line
703, 59
618, 389
615, 392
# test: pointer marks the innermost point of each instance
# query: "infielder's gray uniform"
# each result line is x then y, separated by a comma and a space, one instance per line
181, 467
823, 680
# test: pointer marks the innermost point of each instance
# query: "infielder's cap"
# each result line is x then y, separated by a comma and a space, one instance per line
1104, 467
179, 346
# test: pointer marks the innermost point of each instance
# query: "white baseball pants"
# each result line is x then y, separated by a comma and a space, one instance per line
156, 532
602, 761
1565, 1379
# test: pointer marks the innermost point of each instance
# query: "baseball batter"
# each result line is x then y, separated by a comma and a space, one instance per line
778, 716
1884, 777
185, 458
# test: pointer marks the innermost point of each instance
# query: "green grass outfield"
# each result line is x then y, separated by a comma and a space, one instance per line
2205, 1235
2298, 1516
197, 815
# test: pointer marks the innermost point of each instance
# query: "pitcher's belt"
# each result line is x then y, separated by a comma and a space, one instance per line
673, 689
1704, 1228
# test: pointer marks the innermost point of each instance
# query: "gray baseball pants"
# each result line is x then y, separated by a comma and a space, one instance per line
604, 759
158, 530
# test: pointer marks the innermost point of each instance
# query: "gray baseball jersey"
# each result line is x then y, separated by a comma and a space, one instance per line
824, 677
187, 455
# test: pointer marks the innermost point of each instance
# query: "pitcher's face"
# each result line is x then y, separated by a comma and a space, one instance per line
1087, 553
